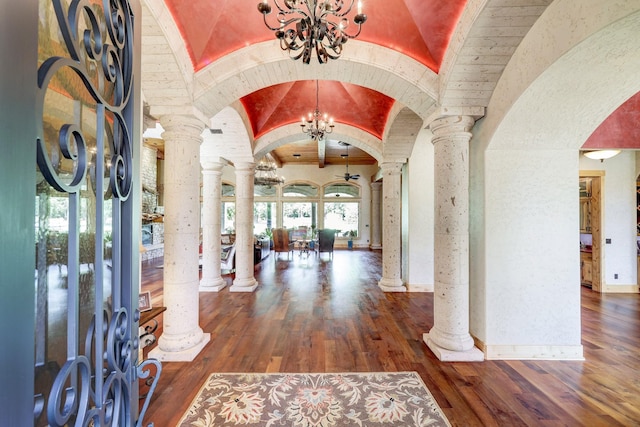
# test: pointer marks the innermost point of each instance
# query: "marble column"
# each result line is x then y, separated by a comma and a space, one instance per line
182, 338
376, 189
449, 339
244, 281
211, 280
391, 280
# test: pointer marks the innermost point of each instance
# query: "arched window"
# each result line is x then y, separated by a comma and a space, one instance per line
300, 205
342, 208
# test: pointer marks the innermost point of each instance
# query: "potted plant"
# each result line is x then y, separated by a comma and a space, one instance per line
268, 233
351, 234
312, 238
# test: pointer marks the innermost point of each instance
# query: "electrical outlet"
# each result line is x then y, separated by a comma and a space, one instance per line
607, 241
615, 276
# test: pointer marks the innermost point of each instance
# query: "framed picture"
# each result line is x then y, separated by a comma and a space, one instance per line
144, 301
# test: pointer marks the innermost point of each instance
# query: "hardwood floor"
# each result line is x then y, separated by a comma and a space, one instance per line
322, 315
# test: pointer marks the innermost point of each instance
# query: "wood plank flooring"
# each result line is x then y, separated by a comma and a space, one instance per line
313, 314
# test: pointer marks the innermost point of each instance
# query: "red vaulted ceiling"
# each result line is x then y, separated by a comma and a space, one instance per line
419, 28
620, 130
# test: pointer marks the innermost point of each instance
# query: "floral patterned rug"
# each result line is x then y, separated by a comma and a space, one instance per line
314, 400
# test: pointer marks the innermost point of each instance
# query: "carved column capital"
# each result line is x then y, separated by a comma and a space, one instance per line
182, 127
391, 168
209, 166
447, 127
245, 167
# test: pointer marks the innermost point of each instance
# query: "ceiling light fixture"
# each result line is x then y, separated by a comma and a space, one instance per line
601, 155
308, 25
266, 173
316, 124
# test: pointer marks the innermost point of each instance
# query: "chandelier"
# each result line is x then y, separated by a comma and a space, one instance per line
266, 173
317, 124
308, 25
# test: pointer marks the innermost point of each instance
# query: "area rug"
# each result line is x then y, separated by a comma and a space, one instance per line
314, 400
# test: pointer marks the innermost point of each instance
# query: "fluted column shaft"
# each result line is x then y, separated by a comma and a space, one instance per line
244, 281
376, 190
449, 338
391, 280
211, 280
182, 338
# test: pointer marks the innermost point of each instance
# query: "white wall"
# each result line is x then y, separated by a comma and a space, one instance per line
419, 254
619, 221
560, 84
527, 264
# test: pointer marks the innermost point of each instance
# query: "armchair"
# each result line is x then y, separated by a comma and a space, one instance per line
281, 241
326, 238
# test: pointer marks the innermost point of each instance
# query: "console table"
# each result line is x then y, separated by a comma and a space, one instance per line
147, 337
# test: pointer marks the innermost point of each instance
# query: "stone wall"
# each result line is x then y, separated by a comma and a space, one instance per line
150, 194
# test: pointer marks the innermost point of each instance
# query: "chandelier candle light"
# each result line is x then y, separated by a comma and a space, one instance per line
307, 25
266, 173
317, 125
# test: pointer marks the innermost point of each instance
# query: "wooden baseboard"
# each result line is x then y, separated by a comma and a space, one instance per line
620, 289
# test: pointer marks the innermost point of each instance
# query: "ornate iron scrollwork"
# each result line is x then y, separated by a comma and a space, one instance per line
97, 385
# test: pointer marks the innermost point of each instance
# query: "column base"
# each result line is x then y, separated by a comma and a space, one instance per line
472, 355
180, 356
375, 247
392, 285
214, 285
244, 285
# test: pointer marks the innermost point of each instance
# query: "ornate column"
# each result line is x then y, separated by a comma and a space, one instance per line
449, 339
376, 188
211, 280
244, 281
391, 228
182, 338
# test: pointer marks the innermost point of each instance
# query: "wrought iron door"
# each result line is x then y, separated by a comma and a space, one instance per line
86, 346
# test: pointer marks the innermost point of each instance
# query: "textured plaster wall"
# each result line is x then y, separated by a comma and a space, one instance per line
532, 255
419, 255
575, 66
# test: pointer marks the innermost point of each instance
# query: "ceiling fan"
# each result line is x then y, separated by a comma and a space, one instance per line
346, 175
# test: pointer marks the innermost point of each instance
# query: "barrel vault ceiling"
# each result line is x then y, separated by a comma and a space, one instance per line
421, 30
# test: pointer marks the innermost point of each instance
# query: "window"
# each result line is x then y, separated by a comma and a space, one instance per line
228, 216
342, 208
298, 214
264, 191
228, 190
342, 216
300, 190
341, 190
264, 217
